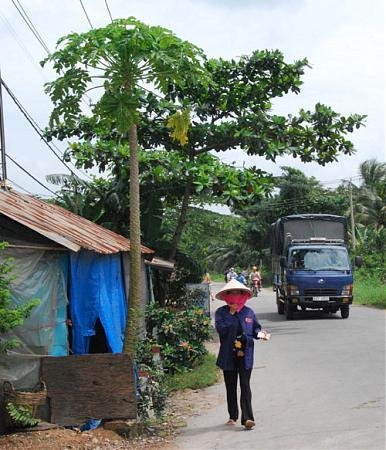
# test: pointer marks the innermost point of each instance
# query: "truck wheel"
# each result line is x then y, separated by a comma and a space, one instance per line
280, 305
288, 310
345, 311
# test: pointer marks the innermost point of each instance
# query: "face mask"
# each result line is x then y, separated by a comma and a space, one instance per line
237, 299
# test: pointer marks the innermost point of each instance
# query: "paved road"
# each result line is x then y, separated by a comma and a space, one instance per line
318, 384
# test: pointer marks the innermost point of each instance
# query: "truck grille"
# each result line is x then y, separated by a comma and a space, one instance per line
320, 292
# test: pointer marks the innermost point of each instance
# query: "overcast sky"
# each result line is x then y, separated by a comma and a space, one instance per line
343, 41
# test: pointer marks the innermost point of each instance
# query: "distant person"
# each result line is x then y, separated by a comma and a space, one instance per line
207, 278
231, 274
226, 275
255, 277
242, 279
237, 326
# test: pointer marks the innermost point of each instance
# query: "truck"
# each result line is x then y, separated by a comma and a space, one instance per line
311, 265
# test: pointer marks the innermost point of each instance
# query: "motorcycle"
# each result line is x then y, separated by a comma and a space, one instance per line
256, 287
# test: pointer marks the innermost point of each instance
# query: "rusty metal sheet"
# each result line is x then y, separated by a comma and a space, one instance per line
80, 387
62, 226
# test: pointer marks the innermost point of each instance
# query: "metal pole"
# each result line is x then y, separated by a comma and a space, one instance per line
2, 140
352, 218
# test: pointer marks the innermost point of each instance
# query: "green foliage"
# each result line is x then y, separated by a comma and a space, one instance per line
10, 316
204, 233
371, 245
369, 290
181, 335
229, 100
119, 57
153, 391
21, 415
370, 197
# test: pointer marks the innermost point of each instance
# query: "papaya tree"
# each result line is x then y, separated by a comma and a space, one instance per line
116, 63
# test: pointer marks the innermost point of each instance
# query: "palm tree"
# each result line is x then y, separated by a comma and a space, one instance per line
373, 173
370, 208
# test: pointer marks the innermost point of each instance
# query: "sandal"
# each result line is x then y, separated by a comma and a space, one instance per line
249, 424
231, 422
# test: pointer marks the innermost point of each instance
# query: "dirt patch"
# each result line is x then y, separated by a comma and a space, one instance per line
160, 436
181, 406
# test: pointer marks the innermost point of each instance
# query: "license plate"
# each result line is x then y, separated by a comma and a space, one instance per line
321, 299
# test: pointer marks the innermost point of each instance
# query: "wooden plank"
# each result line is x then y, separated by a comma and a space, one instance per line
81, 387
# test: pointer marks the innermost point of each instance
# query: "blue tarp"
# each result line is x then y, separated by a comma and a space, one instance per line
96, 291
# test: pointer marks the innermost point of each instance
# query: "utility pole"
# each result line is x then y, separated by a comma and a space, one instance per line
352, 217
2, 141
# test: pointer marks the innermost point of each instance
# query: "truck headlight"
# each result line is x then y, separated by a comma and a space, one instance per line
292, 290
347, 290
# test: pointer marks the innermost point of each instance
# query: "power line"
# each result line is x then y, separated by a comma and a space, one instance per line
31, 26
85, 12
21, 45
30, 175
108, 9
21, 187
32, 122
37, 35
36, 127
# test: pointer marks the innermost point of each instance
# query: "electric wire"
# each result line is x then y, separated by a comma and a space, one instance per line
21, 45
38, 130
85, 12
30, 175
21, 187
108, 9
30, 24
33, 123
37, 35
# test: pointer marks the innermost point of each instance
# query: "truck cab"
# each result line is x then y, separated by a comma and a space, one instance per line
318, 276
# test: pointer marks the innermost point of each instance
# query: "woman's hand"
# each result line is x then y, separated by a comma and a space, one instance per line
264, 335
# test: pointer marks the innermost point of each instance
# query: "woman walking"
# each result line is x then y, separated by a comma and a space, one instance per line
237, 326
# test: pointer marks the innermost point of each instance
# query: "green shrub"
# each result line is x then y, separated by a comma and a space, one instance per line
369, 290
181, 333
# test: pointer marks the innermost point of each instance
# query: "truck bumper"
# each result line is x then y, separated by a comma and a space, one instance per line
320, 302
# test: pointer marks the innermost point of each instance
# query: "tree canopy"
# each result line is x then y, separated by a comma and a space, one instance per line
229, 106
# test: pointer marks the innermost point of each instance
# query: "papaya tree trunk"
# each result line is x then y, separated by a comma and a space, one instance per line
181, 219
133, 310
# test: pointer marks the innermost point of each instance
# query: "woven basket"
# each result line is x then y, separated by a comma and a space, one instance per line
36, 397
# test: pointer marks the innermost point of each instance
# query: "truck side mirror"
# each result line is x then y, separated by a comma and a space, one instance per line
283, 261
358, 261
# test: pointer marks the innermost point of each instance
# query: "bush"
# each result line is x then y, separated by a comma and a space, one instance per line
180, 333
369, 290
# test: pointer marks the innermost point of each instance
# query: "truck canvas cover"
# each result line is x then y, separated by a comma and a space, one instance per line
306, 226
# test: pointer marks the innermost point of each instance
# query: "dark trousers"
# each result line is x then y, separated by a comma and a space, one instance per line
230, 377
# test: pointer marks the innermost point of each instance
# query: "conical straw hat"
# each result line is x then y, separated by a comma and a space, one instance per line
230, 286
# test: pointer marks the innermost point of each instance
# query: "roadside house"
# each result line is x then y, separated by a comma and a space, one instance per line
80, 273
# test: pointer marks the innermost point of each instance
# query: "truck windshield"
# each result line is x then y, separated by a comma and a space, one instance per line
319, 258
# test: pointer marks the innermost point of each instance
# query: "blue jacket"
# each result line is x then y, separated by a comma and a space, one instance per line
227, 325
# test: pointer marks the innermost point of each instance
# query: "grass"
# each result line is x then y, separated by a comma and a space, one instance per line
217, 277
370, 291
202, 375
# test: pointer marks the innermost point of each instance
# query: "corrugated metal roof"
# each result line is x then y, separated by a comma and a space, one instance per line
62, 226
